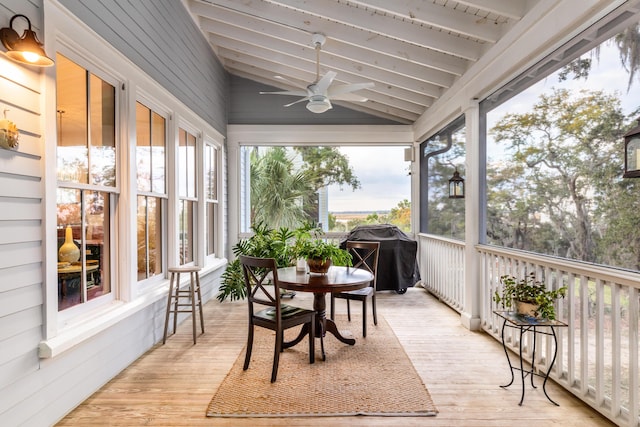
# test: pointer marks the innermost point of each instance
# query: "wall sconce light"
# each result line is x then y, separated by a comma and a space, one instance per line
456, 186
632, 153
26, 49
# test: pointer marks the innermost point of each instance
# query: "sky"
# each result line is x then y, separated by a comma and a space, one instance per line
607, 74
383, 174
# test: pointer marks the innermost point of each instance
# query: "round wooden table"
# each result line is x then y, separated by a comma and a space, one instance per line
337, 279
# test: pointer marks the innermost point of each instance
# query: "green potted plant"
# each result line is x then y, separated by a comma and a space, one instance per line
320, 255
265, 243
528, 296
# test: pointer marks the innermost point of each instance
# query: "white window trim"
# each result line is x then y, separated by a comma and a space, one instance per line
219, 223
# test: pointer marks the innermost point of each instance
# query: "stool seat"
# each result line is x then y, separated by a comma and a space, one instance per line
184, 300
185, 269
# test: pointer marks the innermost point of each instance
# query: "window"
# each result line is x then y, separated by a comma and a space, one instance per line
86, 171
441, 156
151, 183
187, 196
338, 188
211, 202
554, 156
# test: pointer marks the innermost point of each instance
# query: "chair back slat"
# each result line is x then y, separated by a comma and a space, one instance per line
365, 255
261, 280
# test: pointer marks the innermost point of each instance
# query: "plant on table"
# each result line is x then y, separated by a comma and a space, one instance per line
528, 290
321, 253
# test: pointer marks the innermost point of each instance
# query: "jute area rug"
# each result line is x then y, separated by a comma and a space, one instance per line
373, 377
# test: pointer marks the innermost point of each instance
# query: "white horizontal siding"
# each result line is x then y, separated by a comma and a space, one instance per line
21, 195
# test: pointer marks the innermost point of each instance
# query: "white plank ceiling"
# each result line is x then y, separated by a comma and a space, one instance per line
412, 50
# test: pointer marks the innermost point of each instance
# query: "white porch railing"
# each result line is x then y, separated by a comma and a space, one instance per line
441, 263
597, 358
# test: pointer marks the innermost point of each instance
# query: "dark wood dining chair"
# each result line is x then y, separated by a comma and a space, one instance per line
365, 256
263, 290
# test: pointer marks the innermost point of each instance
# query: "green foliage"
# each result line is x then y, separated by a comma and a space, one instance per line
531, 291
326, 166
308, 243
322, 250
282, 244
278, 190
264, 243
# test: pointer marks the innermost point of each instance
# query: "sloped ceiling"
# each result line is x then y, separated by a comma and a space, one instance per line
413, 50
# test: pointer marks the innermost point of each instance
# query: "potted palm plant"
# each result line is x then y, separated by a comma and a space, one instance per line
266, 243
529, 297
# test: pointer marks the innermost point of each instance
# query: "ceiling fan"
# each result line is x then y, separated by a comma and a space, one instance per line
321, 92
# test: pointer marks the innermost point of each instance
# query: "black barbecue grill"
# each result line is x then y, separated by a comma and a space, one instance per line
397, 265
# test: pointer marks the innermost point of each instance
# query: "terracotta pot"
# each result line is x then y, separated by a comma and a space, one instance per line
527, 309
318, 266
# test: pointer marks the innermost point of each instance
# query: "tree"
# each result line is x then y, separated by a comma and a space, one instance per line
278, 191
565, 157
325, 166
400, 216
284, 188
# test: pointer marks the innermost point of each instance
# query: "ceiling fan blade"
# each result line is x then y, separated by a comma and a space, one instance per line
299, 100
351, 97
338, 90
287, 92
289, 82
322, 86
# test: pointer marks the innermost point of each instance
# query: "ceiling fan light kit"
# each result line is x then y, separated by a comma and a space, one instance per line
320, 93
318, 104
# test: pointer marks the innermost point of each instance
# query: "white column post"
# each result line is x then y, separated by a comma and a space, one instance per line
470, 316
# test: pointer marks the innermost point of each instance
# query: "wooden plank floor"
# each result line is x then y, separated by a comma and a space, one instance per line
171, 385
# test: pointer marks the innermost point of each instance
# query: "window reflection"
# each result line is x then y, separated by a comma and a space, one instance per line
83, 223
86, 135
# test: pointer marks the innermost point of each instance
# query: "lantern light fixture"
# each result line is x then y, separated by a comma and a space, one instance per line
456, 186
632, 152
26, 49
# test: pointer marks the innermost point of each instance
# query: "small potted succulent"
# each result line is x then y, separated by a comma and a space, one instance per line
529, 297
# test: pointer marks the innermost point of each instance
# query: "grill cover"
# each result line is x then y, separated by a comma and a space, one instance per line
397, 266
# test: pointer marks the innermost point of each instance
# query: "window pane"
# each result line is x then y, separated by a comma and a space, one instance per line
150, 150
143, 144
186, 164
158, 150
210, 177
211, 228
69, 209
102, 121
445, 216
149, 237
97, 244
186, 231
555, 162
72, 154
83, 260
336, 187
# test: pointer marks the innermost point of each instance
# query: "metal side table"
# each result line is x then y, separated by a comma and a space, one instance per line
529, 324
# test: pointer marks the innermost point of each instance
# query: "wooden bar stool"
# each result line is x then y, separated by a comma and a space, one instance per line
191, 294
